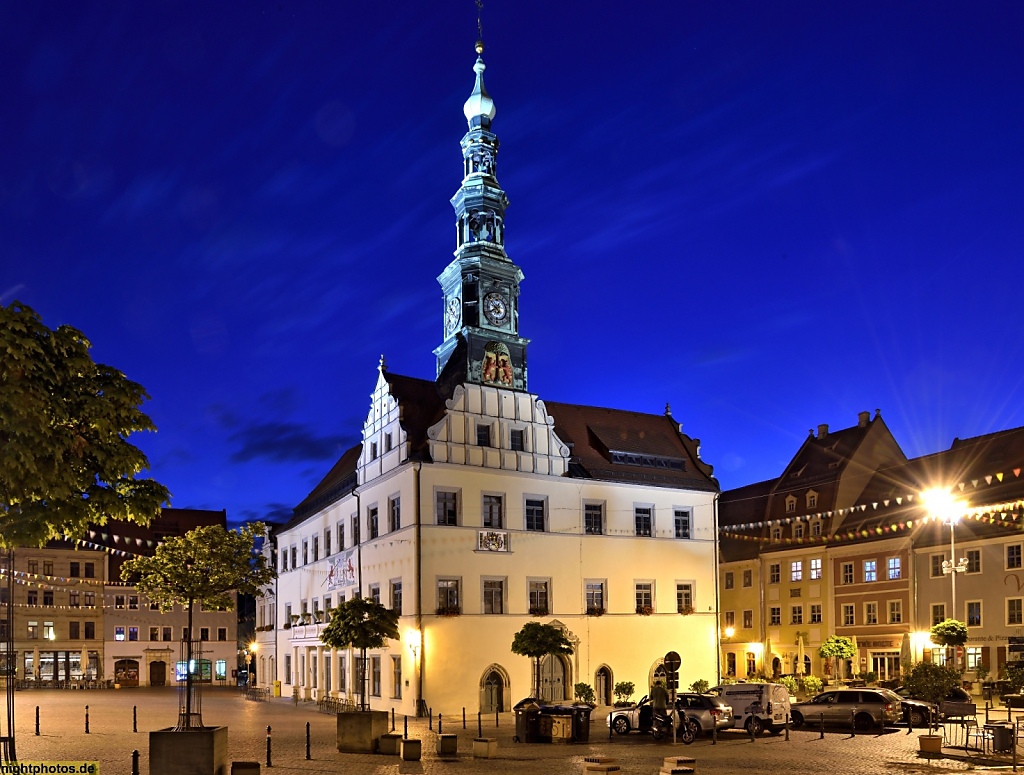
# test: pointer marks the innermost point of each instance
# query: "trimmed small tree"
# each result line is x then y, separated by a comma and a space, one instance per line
949, 633
205, 566
537, 640
834, 648
931, 682
363, 624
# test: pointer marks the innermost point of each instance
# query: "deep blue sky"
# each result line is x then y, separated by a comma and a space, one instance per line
768, 214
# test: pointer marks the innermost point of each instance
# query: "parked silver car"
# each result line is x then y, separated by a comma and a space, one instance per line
865, 708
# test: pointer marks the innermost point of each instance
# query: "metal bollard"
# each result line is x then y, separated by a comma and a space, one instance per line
86, 719
135, 718
268, 746
463, 716
787, 727
430, 718
853, 723
495, 718
750, 730
479, 724
714, 733
307, 741
822, 736
439, 730
37, 721
392, 719
135, 762
405, 728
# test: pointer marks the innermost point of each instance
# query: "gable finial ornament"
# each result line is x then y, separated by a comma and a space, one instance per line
382, 366
668, 409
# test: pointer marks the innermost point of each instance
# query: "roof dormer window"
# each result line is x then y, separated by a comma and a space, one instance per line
812, 500
790, 504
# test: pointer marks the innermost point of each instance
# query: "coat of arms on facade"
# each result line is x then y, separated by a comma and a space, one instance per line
497, 365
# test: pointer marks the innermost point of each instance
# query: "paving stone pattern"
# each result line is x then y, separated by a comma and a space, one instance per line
111, 741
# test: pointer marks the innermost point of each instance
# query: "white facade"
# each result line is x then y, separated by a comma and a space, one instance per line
485, 572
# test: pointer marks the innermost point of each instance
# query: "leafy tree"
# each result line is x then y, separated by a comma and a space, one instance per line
624, 690
836, 647
584, 693
203, 567
931, 682
811, 684
700, 686
949, 633
363, 624
65, 460
537, 640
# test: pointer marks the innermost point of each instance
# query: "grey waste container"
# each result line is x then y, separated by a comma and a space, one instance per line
1002, 736
528, 724
581, 723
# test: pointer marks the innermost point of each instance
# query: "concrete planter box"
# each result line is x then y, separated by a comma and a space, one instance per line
447, 745
193, 752
360, 731
390, 743
485, 748
411, 749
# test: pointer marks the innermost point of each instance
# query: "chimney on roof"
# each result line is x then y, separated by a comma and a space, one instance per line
822, 430
863, 418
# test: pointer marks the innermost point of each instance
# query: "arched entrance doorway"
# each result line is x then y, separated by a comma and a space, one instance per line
603, 685
126, 672
553, 678
158, 674
776, 667
494, 693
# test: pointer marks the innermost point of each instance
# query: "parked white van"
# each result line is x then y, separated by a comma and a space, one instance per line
756, 706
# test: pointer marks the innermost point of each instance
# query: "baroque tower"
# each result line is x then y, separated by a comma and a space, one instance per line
480, 286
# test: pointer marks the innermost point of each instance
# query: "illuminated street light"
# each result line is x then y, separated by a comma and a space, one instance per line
252, 662
943, 506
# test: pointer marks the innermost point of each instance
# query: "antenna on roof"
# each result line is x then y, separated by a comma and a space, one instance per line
479, 27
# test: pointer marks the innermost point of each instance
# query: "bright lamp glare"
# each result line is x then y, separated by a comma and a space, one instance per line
942, 505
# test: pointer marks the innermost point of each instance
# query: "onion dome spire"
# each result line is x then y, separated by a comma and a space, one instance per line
479, 108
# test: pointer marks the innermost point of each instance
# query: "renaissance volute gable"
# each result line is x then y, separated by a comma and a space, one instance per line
498, 428
384, 439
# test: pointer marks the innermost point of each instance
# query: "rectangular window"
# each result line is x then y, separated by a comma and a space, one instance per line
448, 596
76, 570
895, 566
288, 669
373, 450
74, 630
848, 616
394, 514
974, 613
973, 560
815, 613
748, 619
340, 532
90, 630
447, 507
133, 602
33, 631
516, 441
595, 596
847, 571
493, 511
375, 593
483, 435
295, 558
154, 633
1014, 611
396, 677
119, 633
204, 633
118, 601
50, 634
684, 598
165, 634
816, 528
774, 573
32, 597
895, 611
396, 596
222, 634
90, 570
33, 566
73, 599
372, 524
375, 677
538, 594
356, 537
730, 619
936, 565
870, 570
316, 548
133, 633
871, 613
748, 578
494, 596
775, 615
938, 613
388, 443
681, 520
89, 599
48, 597
593, 519
796, 570
815, 568
644, 593
729, 580
642, 520
327, 542
284, 559
1013, 556
796, 614
535, 515
305, 552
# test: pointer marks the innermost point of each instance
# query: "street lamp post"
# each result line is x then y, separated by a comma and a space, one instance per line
943, 506
252, 663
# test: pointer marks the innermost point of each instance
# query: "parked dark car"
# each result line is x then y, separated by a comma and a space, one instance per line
956, 694
865, 708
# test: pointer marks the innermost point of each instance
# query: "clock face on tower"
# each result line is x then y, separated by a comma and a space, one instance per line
452, 314
495, 308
